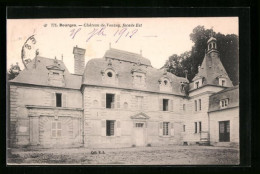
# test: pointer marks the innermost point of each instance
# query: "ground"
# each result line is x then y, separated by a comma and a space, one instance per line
169, 155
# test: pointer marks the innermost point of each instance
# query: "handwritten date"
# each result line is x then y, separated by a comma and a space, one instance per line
102, 32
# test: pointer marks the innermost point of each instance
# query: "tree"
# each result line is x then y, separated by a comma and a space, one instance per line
190, 60
13, 71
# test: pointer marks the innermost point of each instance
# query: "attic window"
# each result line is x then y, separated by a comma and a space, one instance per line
223, 103
197, 85
109, 74
223, 82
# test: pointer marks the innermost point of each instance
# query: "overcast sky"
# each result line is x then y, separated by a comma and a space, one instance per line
158, 38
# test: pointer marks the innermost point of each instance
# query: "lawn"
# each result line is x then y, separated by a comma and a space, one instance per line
169, 155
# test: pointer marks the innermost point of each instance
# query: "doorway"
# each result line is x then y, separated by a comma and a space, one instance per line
224, 131
139, 134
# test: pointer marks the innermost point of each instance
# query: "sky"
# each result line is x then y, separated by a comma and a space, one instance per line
155, 38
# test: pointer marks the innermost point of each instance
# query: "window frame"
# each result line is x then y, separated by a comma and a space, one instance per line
109, 128
56, 97
56, 129
112, 103
166, 129
166, 106
224, 103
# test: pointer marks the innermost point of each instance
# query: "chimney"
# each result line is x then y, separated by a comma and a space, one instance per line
79, 60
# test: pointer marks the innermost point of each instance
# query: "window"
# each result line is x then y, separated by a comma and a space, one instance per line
200, 104
109, 74
139, 125
110, 129
58, 100
183, 107
195, 126
195, 105
110, 98
56, 129
223, 82
165, 104
197, 85
55, 73
183, 128
165, 128
200, 126
165, 82
224, 103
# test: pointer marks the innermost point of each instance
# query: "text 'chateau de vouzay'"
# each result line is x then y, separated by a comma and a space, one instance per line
120, 100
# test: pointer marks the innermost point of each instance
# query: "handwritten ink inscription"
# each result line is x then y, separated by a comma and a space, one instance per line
102, 32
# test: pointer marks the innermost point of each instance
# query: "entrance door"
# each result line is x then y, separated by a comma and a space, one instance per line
139, 134
224, 131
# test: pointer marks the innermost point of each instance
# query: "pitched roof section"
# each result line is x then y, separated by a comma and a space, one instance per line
211, 69
94, 67
126, 56
232, 94
39, 75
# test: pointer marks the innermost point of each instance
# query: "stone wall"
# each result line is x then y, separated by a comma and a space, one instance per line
231, 115
21, 131
95, 113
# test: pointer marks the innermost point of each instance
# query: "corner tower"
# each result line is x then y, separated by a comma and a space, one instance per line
211, 72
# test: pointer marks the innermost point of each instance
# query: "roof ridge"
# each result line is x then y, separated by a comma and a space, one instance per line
128, 52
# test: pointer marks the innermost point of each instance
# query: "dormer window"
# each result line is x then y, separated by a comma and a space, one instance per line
197, 84
139, 78
222, 81
224, 103
109, 76
165, 84
56, 75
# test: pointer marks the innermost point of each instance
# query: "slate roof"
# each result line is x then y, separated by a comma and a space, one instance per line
211, 69
123, 64
231, 93
126, 56
39, 75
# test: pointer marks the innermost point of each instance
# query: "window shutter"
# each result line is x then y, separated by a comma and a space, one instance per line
118, 128
171, 105
172, 129
160, 104
53, 99
160, 128
118, 101
64, 100
103, 127
103, 100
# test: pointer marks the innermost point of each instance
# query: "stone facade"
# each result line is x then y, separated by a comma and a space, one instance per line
120, 100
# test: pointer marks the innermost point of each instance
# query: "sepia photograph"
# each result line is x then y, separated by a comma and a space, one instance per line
123, 91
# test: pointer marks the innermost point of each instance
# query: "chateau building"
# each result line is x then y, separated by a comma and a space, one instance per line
120, 100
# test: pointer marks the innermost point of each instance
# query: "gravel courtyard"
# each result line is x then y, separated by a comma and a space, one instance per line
170, 155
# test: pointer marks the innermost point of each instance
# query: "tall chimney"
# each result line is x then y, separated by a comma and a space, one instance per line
79, 60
